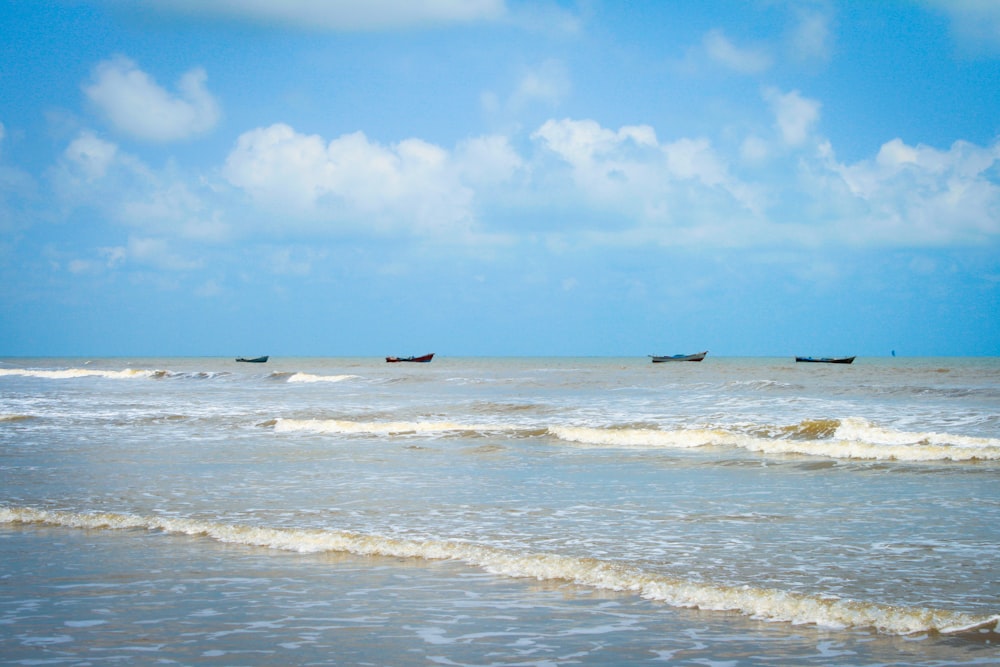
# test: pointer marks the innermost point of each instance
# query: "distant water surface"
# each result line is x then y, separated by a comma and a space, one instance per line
481, 511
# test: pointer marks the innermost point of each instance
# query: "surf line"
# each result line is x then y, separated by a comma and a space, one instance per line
760, 603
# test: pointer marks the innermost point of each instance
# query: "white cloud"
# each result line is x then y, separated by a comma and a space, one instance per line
685, 192
794, 115
137, 106
722, 51
343, 14
582, 142
975, 23
488, 160
538, 89
354, 183
603, 164
113, 256
90, 156
811, 39
547, 84
578, 184
157, 252
695, 159
96, 173
922, 195
754, 149
632, 179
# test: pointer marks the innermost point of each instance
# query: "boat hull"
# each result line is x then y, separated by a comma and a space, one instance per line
679, 357
253, 360
825, 360
419, 360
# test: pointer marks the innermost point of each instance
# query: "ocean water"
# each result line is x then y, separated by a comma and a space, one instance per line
509, 511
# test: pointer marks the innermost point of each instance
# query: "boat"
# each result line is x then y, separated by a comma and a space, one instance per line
253, 360
420, 360
698, 356
826, 360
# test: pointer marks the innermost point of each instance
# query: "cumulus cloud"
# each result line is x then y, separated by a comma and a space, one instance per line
355, 183
923, 195
584, 142
687, 190
138, 107
672, 192
93, 172
794, 115
539, 88
576, 183
488, 160
602, 163
89, 157
722, 51
604, 158
342, 14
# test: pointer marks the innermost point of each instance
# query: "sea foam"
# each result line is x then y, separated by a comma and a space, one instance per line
762, 603
282, 425
71, 373
839, 439
310, 378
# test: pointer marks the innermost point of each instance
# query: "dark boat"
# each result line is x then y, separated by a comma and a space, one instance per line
253, 360
698, 356
420, 360
825, 360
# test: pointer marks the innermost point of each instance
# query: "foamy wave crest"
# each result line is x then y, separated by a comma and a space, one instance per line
643, 438
864, 431
855, 438
762, 603
850, 449
838, 439
282, 425
309, 377
70, 373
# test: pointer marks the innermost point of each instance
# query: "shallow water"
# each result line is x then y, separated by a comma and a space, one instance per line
500, 511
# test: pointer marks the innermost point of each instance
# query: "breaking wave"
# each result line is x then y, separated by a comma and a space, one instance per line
309, 377
761, 603
851, 438
282, 425
71, 373
839, 439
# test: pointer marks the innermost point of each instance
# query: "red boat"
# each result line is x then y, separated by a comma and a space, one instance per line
420, 360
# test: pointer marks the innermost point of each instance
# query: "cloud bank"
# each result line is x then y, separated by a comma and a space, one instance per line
569, 177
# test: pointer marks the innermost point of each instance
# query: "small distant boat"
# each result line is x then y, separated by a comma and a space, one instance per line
698, 356
826, 360
253, 360
420, 360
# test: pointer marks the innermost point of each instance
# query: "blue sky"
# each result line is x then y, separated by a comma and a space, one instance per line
499, 177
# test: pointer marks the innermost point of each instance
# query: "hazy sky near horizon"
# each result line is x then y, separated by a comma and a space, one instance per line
499, 177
